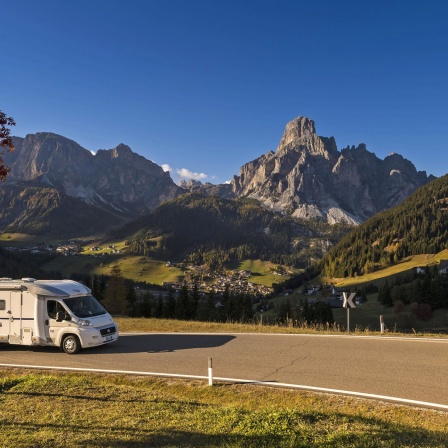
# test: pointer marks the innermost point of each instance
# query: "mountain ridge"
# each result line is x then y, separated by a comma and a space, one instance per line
117, 180
307, 177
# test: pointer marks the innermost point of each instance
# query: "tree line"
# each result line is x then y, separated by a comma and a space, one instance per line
120, 296
210, 230
425, 291
318, 313
417, 226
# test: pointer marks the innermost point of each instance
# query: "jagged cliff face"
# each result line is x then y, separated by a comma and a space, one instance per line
117, 180
208, 189
308, 177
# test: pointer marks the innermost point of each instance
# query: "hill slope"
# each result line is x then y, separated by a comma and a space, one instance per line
38, 210
419, 225
213, 230
55, 185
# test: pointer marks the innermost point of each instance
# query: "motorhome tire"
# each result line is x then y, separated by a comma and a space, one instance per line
71, 344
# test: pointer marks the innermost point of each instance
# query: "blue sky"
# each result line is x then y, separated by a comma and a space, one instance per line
206, 85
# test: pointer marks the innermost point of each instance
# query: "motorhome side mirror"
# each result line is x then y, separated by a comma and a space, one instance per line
60, 316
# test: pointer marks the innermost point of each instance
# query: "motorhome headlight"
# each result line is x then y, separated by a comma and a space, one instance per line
85, 323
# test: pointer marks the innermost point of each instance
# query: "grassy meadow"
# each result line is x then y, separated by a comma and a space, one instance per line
139, 268
262, 271
260, 325
366, 316
23, 239
42, 409
134, 267
401, 268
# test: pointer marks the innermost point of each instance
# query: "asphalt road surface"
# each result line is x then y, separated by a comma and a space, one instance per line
402, 368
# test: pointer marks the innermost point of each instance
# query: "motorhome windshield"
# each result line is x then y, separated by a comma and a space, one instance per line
86, 306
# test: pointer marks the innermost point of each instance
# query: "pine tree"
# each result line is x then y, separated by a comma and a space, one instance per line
98, 287
194, 302
170, 308
115, 296
247, 311
131, 298
183, 304
158, 311
384, 295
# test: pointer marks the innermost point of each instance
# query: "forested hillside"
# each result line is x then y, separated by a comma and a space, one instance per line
418, 225
213, 230
13, 267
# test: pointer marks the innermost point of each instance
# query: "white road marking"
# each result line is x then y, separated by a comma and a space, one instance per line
397, 400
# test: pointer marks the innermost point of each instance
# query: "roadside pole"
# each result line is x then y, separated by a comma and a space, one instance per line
210, 371
348, 303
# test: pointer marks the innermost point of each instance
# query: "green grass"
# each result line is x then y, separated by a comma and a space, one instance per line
262, 271
366, 316
23, 239
151, 271
134, 267
379, 277
144, 325
146, 269
80, 410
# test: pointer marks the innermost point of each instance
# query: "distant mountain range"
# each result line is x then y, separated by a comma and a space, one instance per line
307, 177
58, 187
51, 173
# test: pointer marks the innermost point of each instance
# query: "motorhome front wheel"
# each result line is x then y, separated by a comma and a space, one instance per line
71, 345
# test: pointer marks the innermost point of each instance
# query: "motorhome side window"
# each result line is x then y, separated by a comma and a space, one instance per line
54, 307
2, 305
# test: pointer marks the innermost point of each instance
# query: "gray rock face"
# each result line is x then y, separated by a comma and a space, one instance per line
209, 189
117, 180
308, 177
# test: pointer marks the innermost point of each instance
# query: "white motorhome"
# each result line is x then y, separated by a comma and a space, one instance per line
60, 313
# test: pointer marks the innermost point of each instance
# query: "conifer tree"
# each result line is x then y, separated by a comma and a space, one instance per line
170, 308
131, 298
115, 296
183, 304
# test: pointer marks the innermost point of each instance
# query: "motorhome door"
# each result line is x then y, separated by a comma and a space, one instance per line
53, 328
4, 316
14, 316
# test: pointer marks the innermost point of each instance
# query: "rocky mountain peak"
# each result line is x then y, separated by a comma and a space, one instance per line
117, 180
297, 132
307, 177
300, 137
190, 183
121, 150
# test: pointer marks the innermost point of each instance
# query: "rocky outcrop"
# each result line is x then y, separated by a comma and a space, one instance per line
209, 189
307, 177
117, 180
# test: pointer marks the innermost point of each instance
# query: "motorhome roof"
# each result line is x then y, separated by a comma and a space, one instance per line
52, 288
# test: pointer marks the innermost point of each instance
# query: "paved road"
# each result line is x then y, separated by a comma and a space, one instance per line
409, 369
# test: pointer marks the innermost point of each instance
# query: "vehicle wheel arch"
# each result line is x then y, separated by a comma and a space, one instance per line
70, 343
